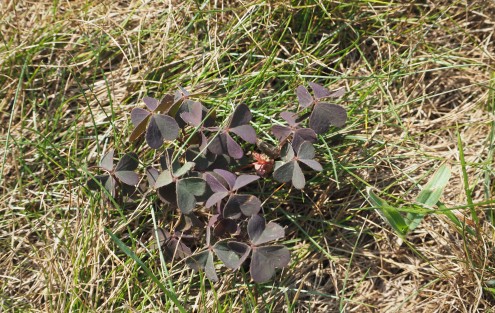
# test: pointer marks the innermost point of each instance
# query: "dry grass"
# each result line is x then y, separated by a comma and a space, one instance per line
420, 75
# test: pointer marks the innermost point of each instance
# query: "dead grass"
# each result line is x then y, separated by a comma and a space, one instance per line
420, 75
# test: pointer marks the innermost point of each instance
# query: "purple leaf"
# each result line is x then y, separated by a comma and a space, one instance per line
233, 148
259, 233
232, 253
240, 248
217, 184
166, 103
187, 191
184, 107
319, 91
128, 162
215, 198
290, 171
298, 180
178, 96
152, 175
303, 96
93, 182
264, 260
313, 164
168, 194
246, 132
217, 145
210, 268
281, 132
204, 142
255, 227
338, 93
151, 103
296, 142
290, 118
165, 178
246, 204
326, 114
107, 161
284, 171
244, 180
241, 116
168, 126
183, 169
305, 134
306, 151
110, 185
203, 260
139, 116
153, 135
287, 153
223, 143
194, 116
139, 130
232, 209
202, 160
128, 177
229, 177
272, 232
161, 127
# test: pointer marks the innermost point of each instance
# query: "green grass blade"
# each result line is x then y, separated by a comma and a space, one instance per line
388, 213
433, 190
430, 195
148, 272
460, 224
465, 179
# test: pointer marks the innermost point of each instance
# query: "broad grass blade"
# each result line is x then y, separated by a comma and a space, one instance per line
388, 213
430, 194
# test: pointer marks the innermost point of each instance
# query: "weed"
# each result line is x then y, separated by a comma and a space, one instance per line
206, 178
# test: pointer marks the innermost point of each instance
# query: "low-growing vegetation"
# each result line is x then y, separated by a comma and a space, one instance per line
207, 176
320, 156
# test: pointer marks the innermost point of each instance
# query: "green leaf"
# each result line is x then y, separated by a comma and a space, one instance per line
430, 194
148, 272
388, 213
